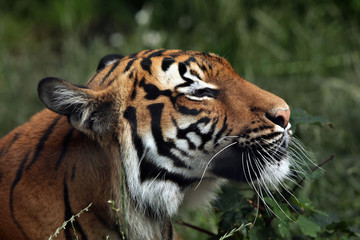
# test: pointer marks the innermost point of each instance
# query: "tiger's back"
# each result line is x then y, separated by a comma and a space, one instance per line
146, 130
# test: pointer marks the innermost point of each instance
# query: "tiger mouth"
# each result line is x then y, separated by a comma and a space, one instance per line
249, 162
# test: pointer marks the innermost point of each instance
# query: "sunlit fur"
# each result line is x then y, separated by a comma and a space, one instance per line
153, 132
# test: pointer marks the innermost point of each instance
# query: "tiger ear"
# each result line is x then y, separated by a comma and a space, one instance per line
87, 110
108, 60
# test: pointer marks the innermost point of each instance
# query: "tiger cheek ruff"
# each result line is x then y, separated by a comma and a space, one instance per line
151, 132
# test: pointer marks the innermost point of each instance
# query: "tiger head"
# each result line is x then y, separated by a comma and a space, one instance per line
179, 120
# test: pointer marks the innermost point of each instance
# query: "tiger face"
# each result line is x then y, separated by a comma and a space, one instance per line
180, 120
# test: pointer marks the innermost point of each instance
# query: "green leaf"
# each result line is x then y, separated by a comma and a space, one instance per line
299, 116
307, 226
281, 210
307, 204
261, 231
233, 208
324, 220
342, 227
282, 227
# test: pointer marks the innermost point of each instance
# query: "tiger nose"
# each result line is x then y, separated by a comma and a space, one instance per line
280, 116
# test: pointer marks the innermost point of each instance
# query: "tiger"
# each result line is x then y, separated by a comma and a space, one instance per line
154, 132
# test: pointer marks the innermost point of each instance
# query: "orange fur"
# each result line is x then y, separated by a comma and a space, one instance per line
54, 165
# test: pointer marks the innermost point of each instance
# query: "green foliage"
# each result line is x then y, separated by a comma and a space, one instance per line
299, 116
278, 218
280, 215
304, 51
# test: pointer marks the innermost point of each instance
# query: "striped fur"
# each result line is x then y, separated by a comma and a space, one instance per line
152, 131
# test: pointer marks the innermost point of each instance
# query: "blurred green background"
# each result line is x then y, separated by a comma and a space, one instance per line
307, 52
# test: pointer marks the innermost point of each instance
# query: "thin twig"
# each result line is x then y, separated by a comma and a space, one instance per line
196, 228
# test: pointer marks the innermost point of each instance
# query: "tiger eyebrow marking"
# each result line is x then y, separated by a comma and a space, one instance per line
182, 70
195, 73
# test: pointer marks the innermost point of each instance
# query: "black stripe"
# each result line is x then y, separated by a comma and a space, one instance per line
69, 214
129, 64
134, 55
182, 133
4, 151
146, 52
131, 74
150, 171
104, 61
170, 231
73, 171
114, 65
42, 142
133, 94
182, 68
166, 63
15, 182
66, 142
189, 60
208, 136
146, 64
163, 147
222, 130
130, 115
188, 111
182, 71
157, 53
206, 92
152, 91
92, 79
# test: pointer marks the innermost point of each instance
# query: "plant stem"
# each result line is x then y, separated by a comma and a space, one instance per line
195, 227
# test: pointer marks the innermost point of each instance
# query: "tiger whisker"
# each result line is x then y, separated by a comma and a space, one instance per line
258, 191
207, 165
260, 185
278, 180
276, 188
223, 138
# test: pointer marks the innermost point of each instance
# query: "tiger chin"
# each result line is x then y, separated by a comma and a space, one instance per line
151, 131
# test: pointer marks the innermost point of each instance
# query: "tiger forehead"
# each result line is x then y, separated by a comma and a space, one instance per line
166, 64
163, 59
174, 54
162, 67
